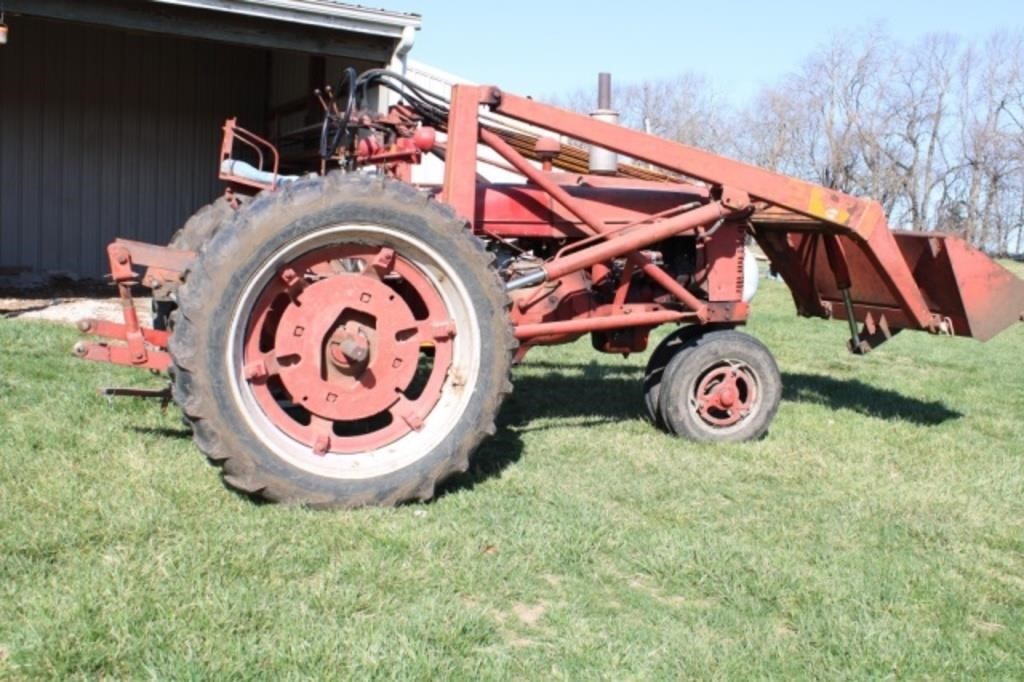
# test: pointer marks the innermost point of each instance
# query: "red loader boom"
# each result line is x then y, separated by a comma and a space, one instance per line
342, 338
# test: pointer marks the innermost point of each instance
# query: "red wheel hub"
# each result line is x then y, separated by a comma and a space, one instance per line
348, 347
325, 379
725, 394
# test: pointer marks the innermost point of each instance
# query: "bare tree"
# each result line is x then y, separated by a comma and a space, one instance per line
992, 139
914, 124
934, 131
683, 109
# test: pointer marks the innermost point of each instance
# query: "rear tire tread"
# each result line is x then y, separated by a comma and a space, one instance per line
306, 196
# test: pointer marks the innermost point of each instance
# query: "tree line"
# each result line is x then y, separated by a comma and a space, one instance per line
934, 130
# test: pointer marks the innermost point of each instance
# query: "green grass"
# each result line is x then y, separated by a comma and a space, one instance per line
878, 531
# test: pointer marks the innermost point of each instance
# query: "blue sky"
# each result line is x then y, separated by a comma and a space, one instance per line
541, 48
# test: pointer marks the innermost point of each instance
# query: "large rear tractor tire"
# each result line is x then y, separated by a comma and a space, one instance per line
205, 223
725, 387
342, 342
196, 231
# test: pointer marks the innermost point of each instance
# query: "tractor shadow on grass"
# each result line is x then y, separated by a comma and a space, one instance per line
553, 400
181, 432
591, 394
855, 395
551, 396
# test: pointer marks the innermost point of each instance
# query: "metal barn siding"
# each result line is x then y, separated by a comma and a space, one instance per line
105, 133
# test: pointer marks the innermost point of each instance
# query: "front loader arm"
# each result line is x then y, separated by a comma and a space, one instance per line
878, 259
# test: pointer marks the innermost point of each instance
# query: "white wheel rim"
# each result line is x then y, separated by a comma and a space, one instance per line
455, 396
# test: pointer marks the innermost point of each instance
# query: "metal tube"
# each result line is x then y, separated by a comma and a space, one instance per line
604, 90
528, 280
634, 239
601, 323
604, 161
851, 318
131, 316
666, 282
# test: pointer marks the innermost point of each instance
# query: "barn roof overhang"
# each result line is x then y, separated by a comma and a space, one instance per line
321, 27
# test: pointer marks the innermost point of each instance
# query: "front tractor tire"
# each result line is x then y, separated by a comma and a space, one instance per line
676, 342
342, 342
722, 386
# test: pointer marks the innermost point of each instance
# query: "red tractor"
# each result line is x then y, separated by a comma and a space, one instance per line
345, 338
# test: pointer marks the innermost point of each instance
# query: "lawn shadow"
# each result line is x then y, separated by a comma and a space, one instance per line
14, 311
31, 297
604, 393
164, 431
855, 395
610, 393
584, 394
589, 369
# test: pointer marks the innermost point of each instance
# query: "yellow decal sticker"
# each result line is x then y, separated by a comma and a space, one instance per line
819, 206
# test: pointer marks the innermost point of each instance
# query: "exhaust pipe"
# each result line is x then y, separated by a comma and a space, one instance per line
604, 161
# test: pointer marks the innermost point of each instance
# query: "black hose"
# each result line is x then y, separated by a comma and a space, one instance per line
331, 140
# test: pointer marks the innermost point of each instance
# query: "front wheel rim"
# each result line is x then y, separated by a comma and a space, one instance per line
725, 395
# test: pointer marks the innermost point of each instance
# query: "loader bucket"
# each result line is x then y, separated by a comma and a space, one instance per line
980, 297
971, 293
